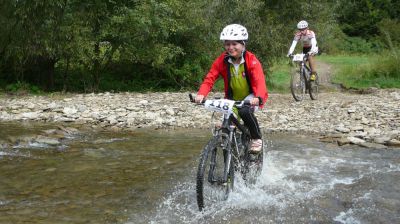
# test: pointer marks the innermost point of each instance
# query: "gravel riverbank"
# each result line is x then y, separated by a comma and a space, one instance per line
370, 120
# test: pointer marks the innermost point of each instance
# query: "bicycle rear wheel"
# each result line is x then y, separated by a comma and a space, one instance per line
255, 165
252, 164
314, 88
297, 85
210, 186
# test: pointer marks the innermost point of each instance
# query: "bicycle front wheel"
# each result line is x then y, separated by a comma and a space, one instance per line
211, 186
297, 85
314, 88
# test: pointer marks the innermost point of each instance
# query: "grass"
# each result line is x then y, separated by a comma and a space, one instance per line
278, 79
344, 60
364, 71
350, 71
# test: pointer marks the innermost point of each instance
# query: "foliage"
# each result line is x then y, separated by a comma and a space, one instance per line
22, 88
361, 18
390, 32
356, 45
136, 45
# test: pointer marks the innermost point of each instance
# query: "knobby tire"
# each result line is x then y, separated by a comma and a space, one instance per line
203, 173
314, 88
253, 164
297, 85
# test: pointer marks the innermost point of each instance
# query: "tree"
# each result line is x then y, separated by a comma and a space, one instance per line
361, 18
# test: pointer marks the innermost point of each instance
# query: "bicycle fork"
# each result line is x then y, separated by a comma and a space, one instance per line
225, 141
228, 154
305, 71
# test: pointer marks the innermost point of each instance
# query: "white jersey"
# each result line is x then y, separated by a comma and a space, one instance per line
306, 38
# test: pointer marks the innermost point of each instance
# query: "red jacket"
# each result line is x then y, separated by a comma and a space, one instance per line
254, 75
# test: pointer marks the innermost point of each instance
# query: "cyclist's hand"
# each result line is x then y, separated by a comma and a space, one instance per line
255, 101
199, 99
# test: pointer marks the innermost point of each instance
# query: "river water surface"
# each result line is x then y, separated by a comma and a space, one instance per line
148, 176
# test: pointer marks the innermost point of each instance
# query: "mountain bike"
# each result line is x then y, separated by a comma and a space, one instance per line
300, 82
226, 153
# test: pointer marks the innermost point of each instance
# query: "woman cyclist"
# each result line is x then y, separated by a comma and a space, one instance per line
243, 79
309, 41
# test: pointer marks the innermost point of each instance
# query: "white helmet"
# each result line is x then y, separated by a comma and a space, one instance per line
234, 32
302, 25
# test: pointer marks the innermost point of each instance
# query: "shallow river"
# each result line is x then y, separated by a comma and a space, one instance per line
148, 176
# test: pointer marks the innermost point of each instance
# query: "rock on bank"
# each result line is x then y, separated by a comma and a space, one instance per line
370, 120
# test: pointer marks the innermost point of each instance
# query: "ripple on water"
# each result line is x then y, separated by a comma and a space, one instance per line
149, 176
298, 184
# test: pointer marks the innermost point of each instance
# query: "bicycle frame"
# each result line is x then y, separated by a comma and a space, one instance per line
228, 153
304, 69
301, 61
228, 129
230, 123
305, 84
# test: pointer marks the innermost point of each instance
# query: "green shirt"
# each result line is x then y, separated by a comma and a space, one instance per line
238, 83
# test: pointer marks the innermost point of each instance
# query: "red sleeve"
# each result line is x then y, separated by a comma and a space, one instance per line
210, 78
258, 80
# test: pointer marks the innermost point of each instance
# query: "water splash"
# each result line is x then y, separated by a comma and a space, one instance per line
346, 218
295, 185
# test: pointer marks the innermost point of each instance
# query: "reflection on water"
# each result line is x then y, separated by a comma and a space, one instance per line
148, 176
98, 177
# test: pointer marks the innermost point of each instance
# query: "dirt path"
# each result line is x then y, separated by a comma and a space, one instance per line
325, 72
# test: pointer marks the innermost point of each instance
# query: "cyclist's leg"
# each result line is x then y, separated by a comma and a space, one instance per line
312, 67
250, 120
311, 62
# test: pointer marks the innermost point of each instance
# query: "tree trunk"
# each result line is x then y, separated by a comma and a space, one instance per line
44, 71
96, 60
96, 67
65, 76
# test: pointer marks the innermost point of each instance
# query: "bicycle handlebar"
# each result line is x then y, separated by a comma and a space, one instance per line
305, 55
237, 103
193, 101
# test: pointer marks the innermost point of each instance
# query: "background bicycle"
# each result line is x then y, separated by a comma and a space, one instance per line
225, 154
300, 82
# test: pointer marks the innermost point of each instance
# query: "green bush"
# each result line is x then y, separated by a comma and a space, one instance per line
339, 43
22, 88
390, 32
356, 45
384, 71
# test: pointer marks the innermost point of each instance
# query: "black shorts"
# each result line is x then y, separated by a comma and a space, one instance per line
306, 50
